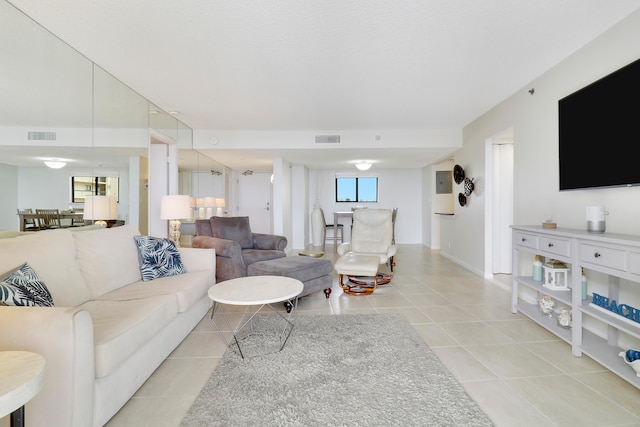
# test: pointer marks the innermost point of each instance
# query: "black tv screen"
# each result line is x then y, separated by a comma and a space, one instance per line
600, 132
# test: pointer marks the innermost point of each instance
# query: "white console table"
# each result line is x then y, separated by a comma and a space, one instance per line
616, 255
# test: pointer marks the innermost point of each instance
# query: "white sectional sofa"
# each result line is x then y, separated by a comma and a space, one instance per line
108, 330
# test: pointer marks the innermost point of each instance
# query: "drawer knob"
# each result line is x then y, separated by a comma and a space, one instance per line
550, 245
524, 240
597, 255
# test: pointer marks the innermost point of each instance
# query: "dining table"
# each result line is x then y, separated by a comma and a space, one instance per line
73, 216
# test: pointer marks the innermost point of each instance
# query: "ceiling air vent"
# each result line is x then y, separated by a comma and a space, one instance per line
41, 136
327, 139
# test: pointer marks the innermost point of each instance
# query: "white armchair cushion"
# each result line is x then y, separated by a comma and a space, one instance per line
372, 234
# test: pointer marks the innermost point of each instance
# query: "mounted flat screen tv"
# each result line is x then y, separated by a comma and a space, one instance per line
600, 132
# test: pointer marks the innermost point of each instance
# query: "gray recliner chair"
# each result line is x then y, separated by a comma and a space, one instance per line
235, 245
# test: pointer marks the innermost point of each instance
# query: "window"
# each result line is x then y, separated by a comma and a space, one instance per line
93, 185
361, 189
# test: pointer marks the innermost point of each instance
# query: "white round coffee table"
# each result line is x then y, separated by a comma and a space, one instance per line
21, 378
259, 291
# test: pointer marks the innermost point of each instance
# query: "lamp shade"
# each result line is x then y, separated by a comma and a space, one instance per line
100, 208
175, 207
363, 166
220, 202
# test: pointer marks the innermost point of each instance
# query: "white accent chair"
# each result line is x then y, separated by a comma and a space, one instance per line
371, 245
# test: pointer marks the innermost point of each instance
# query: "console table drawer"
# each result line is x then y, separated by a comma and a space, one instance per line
526, 240
605, 257
555, 246
634, 263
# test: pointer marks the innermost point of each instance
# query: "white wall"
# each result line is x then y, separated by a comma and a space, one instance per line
9, 191
534, 119
427, 176
281, 205
401, 188
300, 221
438, 204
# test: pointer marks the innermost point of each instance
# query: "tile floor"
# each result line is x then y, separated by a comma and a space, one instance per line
520, 374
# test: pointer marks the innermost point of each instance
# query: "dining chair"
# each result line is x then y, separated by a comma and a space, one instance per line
49, 218
394, 213
29, 224
329, 227
77, 221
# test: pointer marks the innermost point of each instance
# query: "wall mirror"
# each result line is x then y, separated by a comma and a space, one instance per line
56, 104
202, 177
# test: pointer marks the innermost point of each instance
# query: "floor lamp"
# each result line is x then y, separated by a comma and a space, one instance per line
174, 208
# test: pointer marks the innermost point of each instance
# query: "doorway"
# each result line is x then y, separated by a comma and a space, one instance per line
499, 207
254, 200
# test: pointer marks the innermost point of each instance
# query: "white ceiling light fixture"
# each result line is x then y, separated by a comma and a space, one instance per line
363, 166
55, 163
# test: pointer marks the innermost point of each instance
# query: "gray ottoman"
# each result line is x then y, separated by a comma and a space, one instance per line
315, 274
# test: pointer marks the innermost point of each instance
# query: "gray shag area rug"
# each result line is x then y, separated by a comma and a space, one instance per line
347, 370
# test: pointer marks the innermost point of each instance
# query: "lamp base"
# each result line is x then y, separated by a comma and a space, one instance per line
174, 231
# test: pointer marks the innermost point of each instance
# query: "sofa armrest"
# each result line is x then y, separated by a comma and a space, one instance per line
64, 337
229, 261
195, 259
269, 242
223, 247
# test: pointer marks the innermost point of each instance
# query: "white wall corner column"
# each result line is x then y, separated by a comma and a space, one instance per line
299, 206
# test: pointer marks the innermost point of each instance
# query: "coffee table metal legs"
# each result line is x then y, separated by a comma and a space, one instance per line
247, 328
17, 417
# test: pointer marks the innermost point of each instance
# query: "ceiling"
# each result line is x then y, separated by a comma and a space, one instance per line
327, 66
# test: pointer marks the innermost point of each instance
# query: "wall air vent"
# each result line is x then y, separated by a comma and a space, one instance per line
327, 139
41, 136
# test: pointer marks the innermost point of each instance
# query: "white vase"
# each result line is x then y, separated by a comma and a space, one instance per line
316, 227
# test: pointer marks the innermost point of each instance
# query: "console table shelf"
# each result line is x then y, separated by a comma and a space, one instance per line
615, 255
611, 319
562, 296
598, 349
549, 323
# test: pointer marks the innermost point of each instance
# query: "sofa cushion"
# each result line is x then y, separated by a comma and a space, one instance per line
158, 258
108, 258
52, 255
7, 234
297, 267
23, 287
187, 288
120, 328
234, 228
